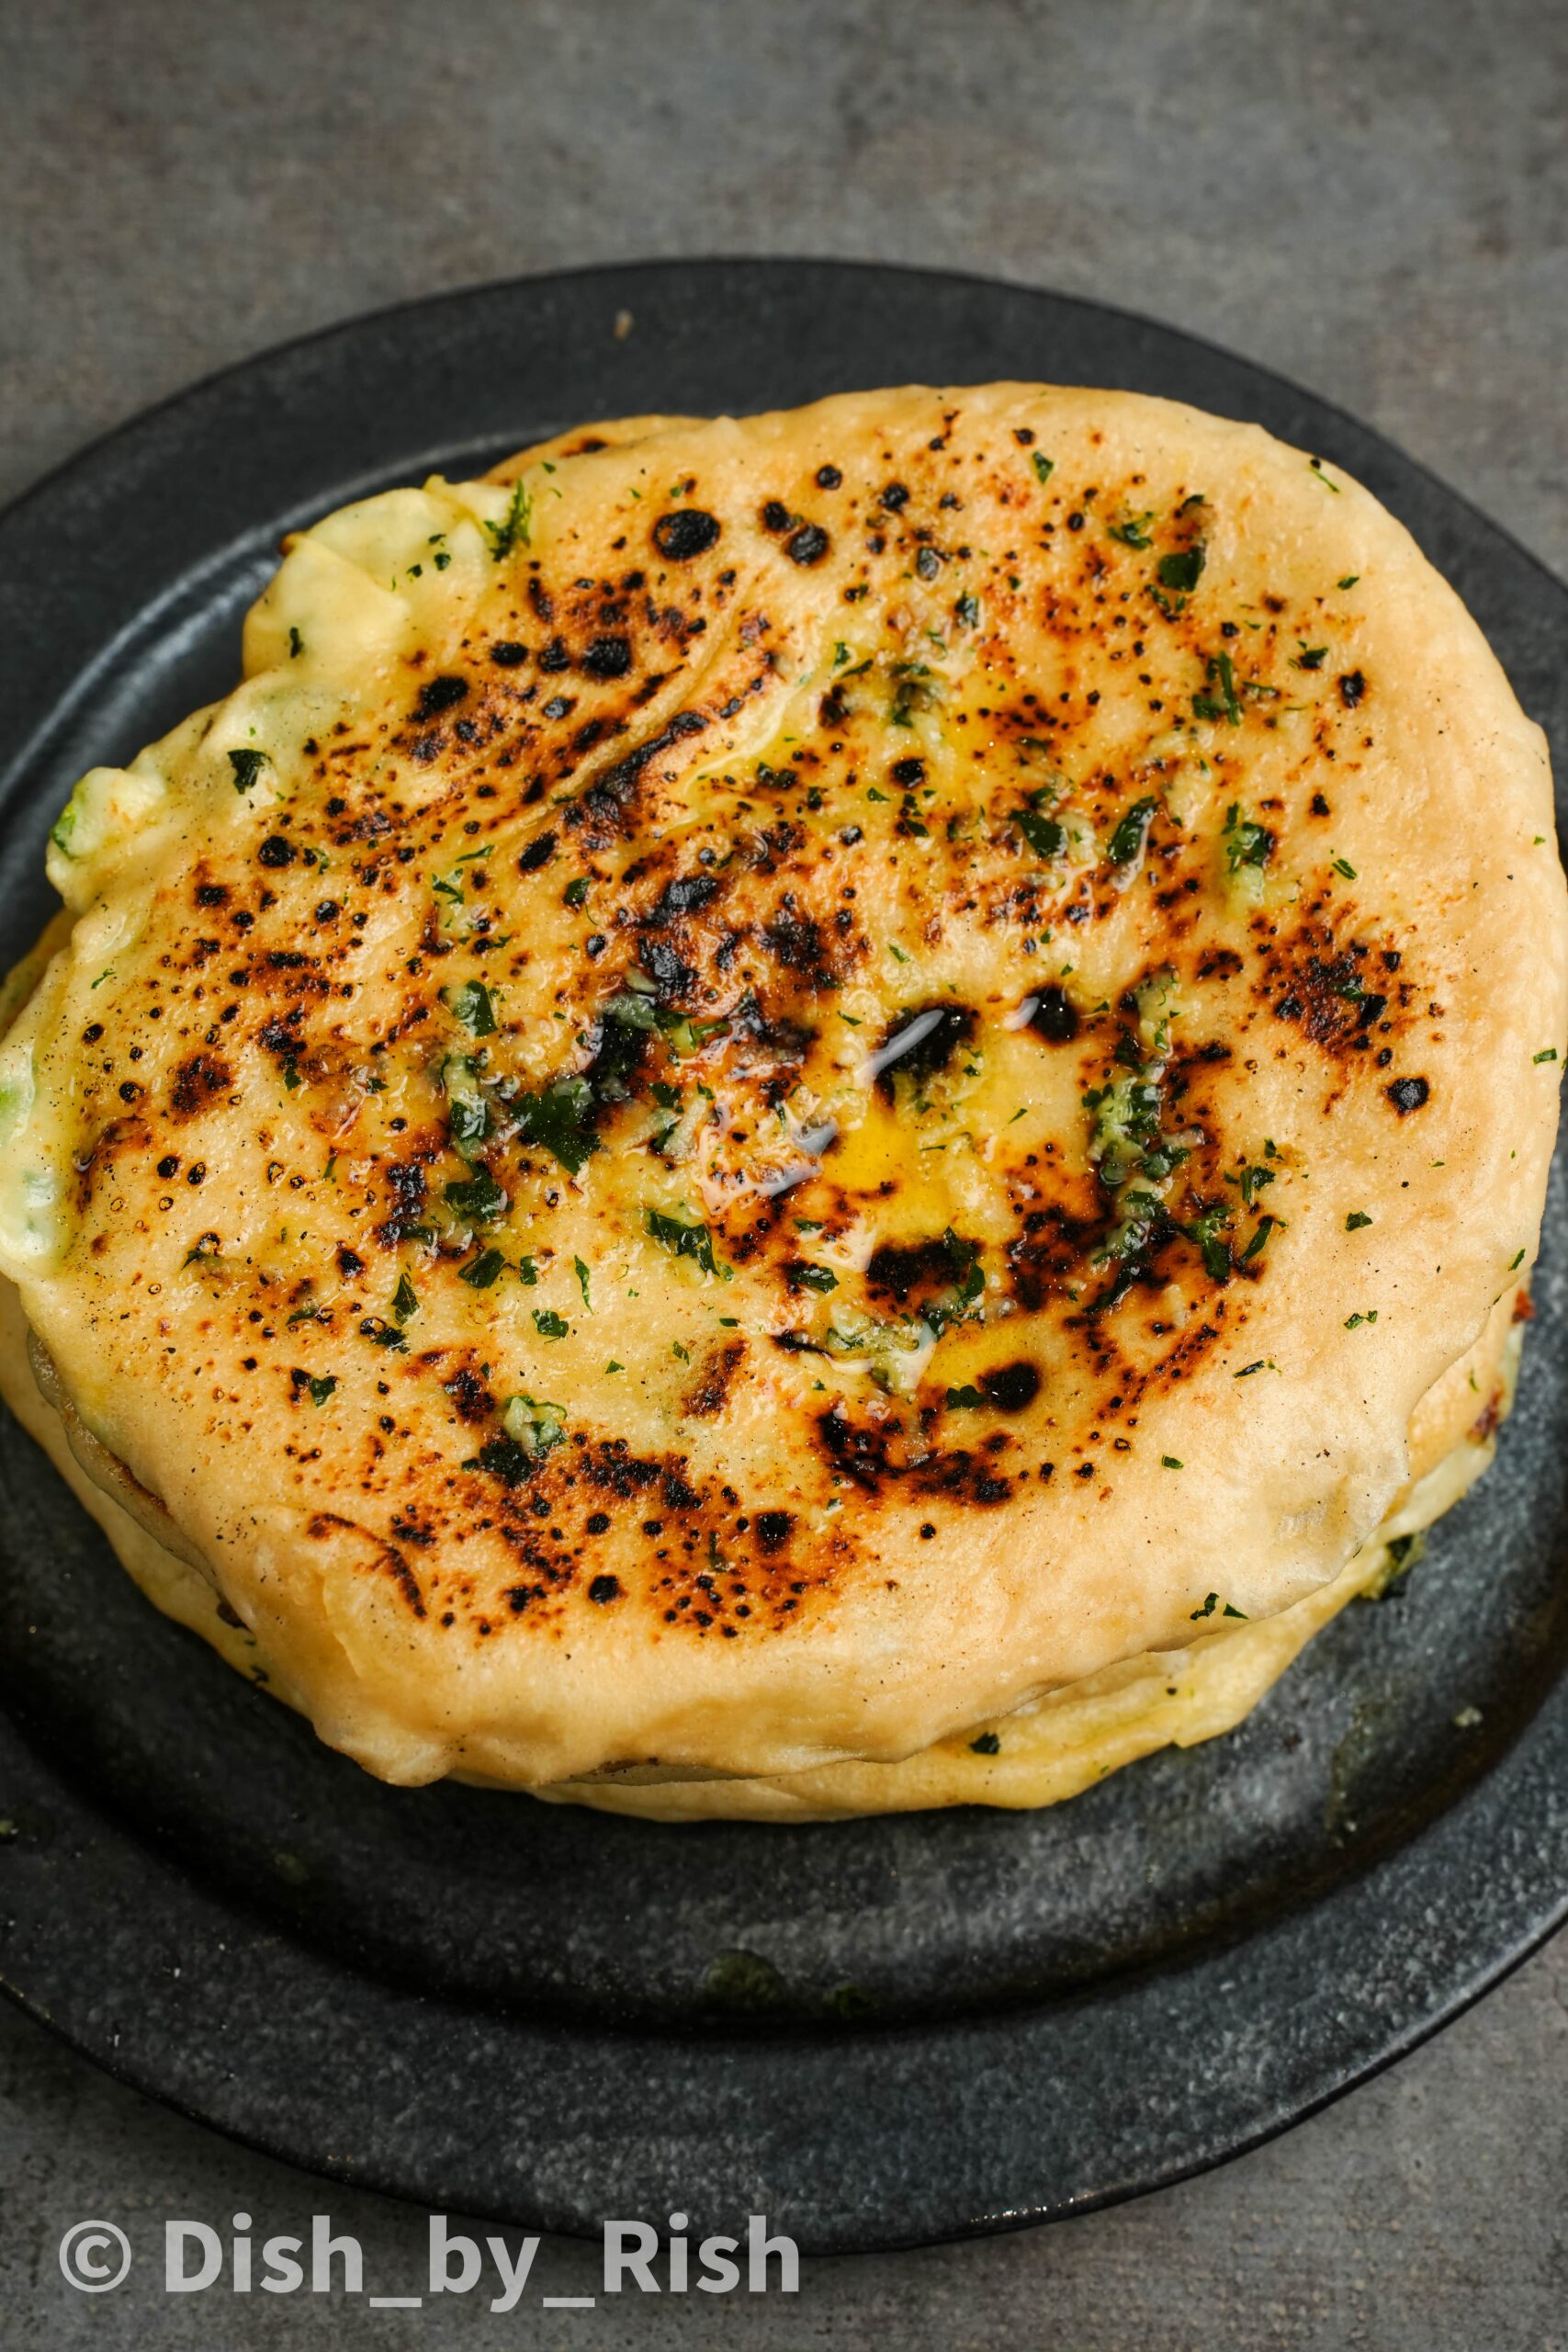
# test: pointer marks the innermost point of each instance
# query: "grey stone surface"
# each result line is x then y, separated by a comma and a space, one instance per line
1374, 200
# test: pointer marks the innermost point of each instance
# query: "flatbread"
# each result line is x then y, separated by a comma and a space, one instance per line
758, 1091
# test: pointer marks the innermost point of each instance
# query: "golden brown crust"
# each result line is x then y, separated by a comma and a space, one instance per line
1037, 999
1048, 1751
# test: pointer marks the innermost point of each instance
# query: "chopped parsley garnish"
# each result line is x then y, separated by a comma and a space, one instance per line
514, 529
1343, 865
1181, 571
468, 1119
1206, 1231
575, 892
1349, 580
1045, 466
1354, 1322
1212, 1603
1356, 1220
322, 1388
477, 1196
1514, 1263
1310, 657
1548, 1054
1132, 530
405, 1300
1132, 831
694, 1241
1265, 1227
818, 1278
548, 1324
581, 1272
483, 1270
247, 767
382, 1334
560, 1118
1043, 834
966, 1396
988, 1744
966, 611
470, 1004
1225, 704
1246, 843
1140, 1221
1169, 1462
1251, 1182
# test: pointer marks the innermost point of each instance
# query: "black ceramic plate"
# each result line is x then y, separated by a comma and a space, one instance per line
877, 2032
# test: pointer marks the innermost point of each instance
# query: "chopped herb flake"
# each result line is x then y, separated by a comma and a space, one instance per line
513, 530
477, 1196
382, 1334
1181, 571
818, 1278
247, 767
1225, 705
1044, 835
694, 1241
484, 1270
560, 1118
1132, 831
471, 1005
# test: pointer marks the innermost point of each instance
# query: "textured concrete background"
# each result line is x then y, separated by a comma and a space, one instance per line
1373, 198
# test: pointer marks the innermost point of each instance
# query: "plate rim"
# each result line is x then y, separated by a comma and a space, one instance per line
748, 2057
